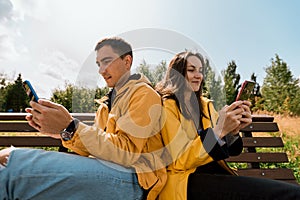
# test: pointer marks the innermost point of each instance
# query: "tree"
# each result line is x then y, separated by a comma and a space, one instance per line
231, 79
294, 104
256, 98
16, 99
280, 90
64, 96
144, 68
213, 88
155, 74
159, 72
3, 84
78, 99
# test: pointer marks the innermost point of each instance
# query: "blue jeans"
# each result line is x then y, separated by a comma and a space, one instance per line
37, 174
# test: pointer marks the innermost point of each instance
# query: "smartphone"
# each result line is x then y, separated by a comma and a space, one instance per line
30, 91
245, 91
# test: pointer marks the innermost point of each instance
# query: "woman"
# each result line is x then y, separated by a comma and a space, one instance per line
198, 140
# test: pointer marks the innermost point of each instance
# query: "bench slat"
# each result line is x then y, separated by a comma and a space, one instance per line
22, 126
262, 142
29, 141
262, 118
277, 174
21, 116
16, 127
261, 127
259, 158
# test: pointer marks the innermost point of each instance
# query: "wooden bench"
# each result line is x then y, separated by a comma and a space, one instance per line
16, 123
254, 159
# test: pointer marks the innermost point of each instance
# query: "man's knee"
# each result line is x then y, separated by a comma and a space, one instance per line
4, 155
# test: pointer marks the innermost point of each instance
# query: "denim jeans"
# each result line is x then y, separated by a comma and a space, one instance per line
39, 174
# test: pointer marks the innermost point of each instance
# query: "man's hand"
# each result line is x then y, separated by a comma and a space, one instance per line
47, 117
4, 154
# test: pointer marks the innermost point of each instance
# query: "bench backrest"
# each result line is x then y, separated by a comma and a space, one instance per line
254, 159
15, 123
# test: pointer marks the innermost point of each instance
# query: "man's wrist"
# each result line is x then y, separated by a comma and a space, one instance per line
68, 133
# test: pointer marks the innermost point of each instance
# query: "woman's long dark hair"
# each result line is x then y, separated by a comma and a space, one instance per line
175, 84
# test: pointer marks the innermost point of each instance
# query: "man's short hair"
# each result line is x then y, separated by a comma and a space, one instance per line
119, 46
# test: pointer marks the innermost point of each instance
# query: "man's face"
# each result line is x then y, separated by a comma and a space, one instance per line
111, 66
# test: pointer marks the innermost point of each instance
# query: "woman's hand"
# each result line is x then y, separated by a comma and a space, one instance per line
48, 117
247, 117
232, 118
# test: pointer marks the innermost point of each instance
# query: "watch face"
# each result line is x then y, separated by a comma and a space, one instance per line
68, 133
65, 135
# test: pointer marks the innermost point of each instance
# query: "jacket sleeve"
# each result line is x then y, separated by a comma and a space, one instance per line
234, 145
183, 143
124, 137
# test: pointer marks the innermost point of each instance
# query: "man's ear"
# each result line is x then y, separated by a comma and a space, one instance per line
128, 61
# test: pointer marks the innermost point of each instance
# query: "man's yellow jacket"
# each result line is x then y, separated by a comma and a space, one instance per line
128, 133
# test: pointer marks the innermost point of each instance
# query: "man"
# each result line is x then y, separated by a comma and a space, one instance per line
125, 138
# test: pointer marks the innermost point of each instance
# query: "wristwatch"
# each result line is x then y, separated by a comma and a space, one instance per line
68, 132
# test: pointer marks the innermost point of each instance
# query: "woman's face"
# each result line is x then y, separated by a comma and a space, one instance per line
194, 72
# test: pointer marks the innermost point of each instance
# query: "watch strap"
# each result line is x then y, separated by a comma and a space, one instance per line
68, 133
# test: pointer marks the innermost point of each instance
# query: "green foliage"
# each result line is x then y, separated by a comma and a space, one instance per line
256, 95
213, 88
3, 90
78, 99
155, 74
231, 79
280, 90
15, 97
159, 72
64, 97
294, 103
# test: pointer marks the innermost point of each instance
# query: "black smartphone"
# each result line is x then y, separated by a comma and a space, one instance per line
245, 91
30, 91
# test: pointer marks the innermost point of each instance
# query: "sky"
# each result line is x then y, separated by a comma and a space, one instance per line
51, 42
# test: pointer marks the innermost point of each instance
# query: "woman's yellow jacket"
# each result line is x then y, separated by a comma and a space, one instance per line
185, 147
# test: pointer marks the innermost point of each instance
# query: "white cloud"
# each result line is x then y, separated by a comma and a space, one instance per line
57, 65
7, 49
30, 8
10, 33
5, 10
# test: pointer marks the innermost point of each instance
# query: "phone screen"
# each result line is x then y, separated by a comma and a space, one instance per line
30, 91
246, 90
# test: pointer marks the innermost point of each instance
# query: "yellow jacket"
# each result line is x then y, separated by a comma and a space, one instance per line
128, 134
186, 148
